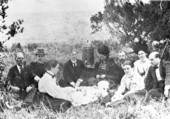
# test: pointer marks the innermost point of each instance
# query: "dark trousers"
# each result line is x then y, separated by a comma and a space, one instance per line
55, 104
153, 94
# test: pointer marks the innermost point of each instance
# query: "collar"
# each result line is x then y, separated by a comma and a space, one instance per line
144, 60
19, 66
130, 75
50, 73
75, 61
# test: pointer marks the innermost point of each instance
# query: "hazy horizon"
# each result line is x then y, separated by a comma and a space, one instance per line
53, 20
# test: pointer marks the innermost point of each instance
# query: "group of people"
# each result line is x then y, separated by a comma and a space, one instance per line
108, 81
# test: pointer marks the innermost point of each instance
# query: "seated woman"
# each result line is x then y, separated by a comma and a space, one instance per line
131, 83
106, 69
54, 96
142, 65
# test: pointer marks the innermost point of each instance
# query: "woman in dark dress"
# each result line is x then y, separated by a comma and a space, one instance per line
107, 69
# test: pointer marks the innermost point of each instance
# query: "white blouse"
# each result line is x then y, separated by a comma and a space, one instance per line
142, 67
131, 83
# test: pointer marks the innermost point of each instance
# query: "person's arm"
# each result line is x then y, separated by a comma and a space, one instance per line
149, 82
167, 79
135, 66
121, 90
67, 75
147, 69
10, 81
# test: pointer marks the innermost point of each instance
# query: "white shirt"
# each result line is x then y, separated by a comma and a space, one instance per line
158, 75
82, 96
19, 68
47, 84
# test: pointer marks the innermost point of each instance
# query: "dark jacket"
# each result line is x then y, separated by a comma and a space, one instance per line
72, 74
21, 80
151, 81
112, 71
37, 69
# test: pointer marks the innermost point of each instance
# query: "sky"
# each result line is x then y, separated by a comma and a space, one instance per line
36, 14
55, 5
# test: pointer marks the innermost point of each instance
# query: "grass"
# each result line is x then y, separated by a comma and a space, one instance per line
156, 110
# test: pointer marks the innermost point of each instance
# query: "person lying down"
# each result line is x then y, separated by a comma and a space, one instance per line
77, 96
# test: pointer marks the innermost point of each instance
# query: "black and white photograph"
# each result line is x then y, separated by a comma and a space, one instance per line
84, 59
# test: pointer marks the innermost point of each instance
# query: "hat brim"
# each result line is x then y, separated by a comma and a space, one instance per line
42, 54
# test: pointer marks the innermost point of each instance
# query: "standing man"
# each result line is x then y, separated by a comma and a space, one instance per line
73, 69
20, 77
157, 81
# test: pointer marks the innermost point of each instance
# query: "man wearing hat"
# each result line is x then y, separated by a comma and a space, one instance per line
38, 66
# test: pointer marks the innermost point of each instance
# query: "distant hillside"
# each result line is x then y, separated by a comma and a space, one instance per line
55, 27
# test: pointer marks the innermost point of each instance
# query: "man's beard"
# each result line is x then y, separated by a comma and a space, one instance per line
122, 60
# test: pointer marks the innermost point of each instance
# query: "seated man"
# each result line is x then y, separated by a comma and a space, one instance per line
73, 69
38, 67
157, 82
20, 77
121, 58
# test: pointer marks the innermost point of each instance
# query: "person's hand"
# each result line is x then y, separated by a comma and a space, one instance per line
98, 76
166, 90
15, 88
108, 104
102, 76
73, 84
28, 88
36, 78
78, 82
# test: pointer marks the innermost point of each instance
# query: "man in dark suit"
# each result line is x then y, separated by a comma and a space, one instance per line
157, 82
73, 69
20, 77
38, 67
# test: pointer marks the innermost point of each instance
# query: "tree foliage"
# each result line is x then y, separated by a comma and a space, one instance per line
135, 24
8, 31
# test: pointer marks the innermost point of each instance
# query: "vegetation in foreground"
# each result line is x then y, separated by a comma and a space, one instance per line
155, 110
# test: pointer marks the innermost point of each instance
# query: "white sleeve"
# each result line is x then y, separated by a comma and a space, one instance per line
122, 87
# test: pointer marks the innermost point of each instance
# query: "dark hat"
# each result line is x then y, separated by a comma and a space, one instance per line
104, 50
40, 52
